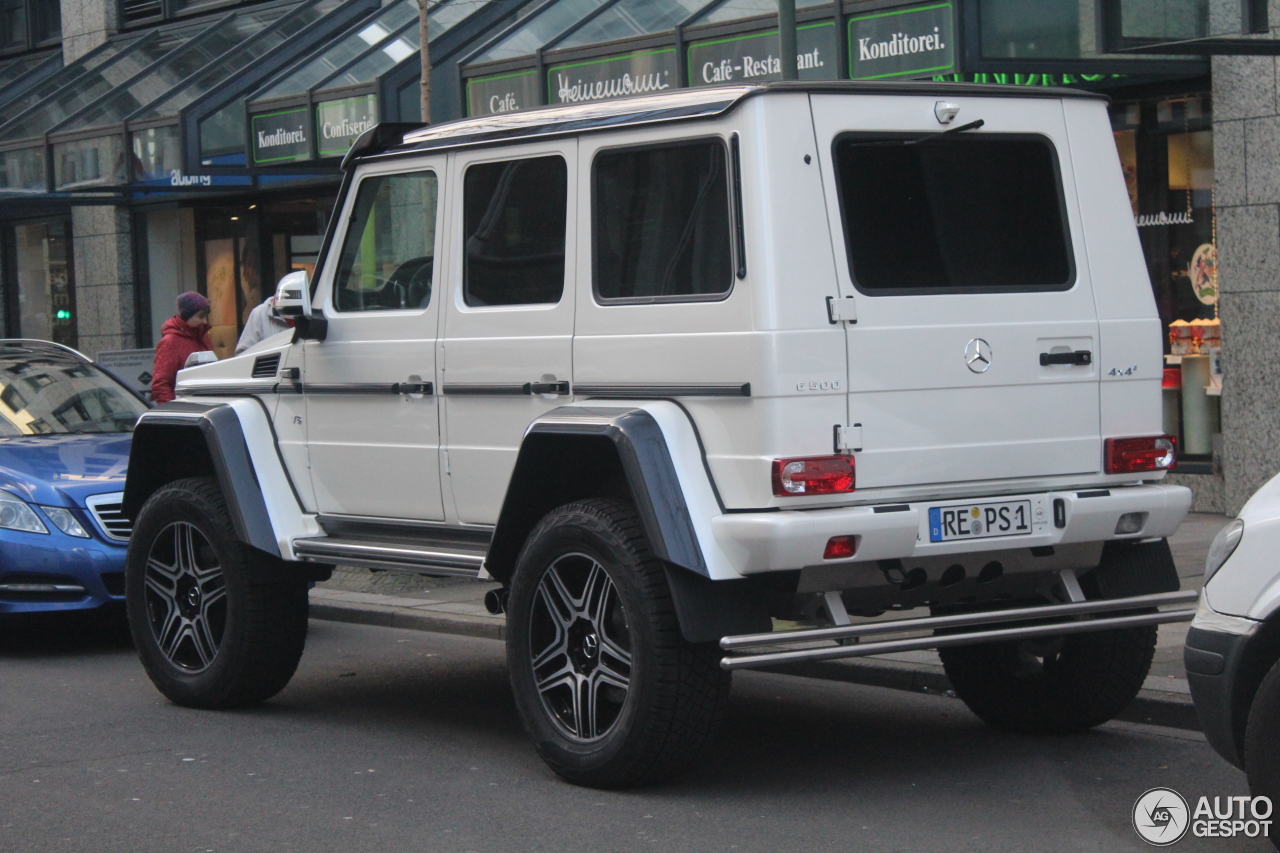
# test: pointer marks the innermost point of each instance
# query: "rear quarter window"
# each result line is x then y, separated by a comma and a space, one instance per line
972, 213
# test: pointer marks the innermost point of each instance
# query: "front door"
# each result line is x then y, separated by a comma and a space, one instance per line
975, 352
508, 326
373, 429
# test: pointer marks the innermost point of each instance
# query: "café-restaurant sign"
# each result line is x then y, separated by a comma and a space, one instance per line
641, 73
502, 93
281, 136
919, 40
756, 57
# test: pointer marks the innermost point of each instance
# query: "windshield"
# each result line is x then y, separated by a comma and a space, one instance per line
47, 394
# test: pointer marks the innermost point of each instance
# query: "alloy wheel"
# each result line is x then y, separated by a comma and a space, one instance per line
186, 596
580, 643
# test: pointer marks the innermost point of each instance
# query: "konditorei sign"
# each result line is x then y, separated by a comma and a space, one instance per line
639, 73
339, 123
916, 41
502, 93
756, 57
281, 136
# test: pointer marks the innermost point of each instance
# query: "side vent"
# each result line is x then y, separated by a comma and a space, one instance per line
265, 366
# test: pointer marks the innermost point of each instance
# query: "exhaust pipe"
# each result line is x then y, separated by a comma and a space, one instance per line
495, 601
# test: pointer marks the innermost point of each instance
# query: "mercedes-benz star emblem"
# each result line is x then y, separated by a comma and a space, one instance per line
977, 355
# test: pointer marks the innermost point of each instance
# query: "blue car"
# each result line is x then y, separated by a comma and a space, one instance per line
65, 430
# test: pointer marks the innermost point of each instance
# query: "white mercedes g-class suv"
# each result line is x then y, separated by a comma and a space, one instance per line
681, 372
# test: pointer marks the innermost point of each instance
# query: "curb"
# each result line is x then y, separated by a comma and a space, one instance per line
1170, 710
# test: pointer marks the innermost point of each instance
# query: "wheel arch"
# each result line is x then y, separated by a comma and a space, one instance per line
183, 440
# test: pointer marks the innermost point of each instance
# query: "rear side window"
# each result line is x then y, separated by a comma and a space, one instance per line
515, 215
968, 213
661, 223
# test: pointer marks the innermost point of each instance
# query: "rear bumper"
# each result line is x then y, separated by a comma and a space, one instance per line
793, 539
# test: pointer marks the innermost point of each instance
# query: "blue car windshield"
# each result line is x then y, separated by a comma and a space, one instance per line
45, 393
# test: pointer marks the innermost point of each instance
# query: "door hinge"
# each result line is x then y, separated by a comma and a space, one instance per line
841, 310
848, 439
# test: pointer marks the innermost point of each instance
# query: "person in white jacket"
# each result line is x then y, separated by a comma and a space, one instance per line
263, 322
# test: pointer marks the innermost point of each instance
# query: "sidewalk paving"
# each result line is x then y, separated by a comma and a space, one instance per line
456, 606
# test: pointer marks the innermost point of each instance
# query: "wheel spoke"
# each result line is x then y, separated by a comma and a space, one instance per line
551, 601
179, 628
183, 630
595, 595
167, 593
558, 646
206, 648
171, 573
563, 675
211, 598
561, 601
583, 708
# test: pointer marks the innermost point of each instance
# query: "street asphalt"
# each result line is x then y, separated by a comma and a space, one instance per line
395, 740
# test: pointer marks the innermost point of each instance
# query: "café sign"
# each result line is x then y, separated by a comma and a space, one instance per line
757, 57
502, 93
902, 42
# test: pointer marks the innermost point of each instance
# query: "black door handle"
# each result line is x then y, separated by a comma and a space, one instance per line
413, 388
1080, 356
560, 388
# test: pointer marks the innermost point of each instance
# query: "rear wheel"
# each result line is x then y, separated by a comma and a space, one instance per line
605, 684
208, 633
1053, 686
1262, 743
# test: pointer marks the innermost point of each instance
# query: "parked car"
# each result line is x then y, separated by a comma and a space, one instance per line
1232, 654
673, 367
65, 429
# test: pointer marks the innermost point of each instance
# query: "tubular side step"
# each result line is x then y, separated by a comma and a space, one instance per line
780, 646
402, 557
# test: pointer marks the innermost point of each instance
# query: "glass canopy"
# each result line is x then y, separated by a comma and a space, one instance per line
630, 18
736, 10
539, 28
57, 80
14, 73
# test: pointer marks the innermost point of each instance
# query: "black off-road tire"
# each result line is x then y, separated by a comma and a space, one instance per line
1262, 745
253, 632
1084, 682
677, 694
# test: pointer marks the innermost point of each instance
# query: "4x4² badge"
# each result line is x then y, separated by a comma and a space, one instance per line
977, 355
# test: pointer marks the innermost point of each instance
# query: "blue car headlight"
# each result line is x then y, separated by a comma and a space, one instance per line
65, 521
16, 514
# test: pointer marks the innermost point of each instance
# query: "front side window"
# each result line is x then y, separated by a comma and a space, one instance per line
661, 223
958, 214
514, 218
388, 258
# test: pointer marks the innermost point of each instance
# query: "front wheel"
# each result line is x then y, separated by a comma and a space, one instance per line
1262, 743
208, 633
607, 687
1053, 686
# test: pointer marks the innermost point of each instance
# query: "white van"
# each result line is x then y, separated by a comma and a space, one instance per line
680, 372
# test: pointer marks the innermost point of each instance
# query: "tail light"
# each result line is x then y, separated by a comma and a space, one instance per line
813, 475
1150, 453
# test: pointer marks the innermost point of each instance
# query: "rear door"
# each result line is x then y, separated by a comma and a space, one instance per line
974, 353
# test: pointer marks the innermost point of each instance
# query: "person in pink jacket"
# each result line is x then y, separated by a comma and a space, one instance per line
182, 334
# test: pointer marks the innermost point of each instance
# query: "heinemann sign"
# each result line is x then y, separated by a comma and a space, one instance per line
639, 73
903, 42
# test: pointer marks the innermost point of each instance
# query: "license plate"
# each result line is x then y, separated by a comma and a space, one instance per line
979, 521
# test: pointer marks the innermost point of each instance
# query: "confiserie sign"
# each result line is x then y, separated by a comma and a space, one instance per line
757, 57
339, 123
901, 42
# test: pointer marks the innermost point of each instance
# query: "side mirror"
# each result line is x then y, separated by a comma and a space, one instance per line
198, 358
293, 295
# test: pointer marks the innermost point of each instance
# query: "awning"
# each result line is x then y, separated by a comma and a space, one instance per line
21, 74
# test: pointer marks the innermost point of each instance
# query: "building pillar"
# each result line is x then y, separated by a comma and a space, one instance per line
85, 25
1246, 132
102, 245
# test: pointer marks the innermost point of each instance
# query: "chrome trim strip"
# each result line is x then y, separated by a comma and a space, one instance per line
651, 391
388, 555
40, 587
93, 502
443, 527
225, 390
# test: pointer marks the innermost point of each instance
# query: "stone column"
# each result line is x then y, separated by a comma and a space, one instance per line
85, 25
1246, 132
103, 250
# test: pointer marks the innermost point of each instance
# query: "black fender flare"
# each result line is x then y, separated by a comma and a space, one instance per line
187, 439
574, 452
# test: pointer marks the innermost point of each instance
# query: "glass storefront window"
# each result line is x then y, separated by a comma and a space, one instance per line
46, 298
22, 169
1166, 152
1068, 29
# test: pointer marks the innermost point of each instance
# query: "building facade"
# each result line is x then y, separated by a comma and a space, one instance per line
149, 147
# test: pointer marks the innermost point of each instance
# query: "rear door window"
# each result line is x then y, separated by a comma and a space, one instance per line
971, 213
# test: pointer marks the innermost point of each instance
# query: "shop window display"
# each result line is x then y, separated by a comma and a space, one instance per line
45, 290
1166, 150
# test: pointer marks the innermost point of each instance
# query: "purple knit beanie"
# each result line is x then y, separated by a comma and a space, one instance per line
190, 304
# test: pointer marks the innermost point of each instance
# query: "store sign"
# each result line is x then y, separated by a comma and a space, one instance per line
757, 58
902, 42
340, 123
1005, 79
502, 93
281, 137
640, 73
133, 367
